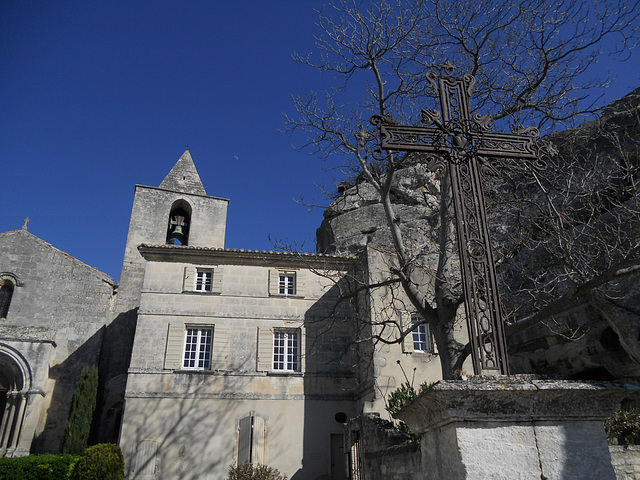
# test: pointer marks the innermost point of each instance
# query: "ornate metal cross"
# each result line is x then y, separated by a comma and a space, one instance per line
466, 142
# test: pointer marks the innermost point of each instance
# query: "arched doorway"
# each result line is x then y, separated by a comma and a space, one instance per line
15, 384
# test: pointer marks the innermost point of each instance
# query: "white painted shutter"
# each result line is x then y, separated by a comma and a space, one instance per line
144, 463
217, 280
175, 345
301, 282
258, 441
407, 342
265, 349
434, 347
189, 283
274, 279
303, 349
220, 354
244, 440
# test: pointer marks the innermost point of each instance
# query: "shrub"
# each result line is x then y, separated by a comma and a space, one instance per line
248, 471
36, 467
83, 404
99, 462
623, 427
399, 398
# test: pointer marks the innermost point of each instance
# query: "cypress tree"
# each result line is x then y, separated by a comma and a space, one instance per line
83, 405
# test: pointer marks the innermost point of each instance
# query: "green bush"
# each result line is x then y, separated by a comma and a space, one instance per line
247, 471
399, 398
83, 404
36, 467
99, 462
623, 427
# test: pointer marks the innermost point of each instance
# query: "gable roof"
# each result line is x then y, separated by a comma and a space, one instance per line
184, 177
20, 238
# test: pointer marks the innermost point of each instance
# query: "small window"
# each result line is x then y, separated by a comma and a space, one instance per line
197, 348
286, 350
287, 284
421, 343
204, 280
6, 294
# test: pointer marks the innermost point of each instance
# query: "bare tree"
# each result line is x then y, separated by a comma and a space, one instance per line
532, 61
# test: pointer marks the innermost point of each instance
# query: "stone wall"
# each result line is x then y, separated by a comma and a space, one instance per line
380, 450
626, 461
55, 325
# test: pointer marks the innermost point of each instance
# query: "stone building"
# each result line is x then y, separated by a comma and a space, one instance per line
242, 355
207, 356
53, 309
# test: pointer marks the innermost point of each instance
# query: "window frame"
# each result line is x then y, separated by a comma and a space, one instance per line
287, 284
7, 289
199, 364
285, 361
203, 278
9, 283
420, 335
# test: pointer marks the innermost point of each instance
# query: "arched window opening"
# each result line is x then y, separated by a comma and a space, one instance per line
179, 223
13, 402
6, 294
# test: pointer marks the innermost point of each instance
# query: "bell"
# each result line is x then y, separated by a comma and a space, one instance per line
178, 234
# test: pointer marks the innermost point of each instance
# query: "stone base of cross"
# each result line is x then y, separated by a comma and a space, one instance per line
464, 143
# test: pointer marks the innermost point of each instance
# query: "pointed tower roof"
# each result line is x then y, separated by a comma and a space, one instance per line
184, 177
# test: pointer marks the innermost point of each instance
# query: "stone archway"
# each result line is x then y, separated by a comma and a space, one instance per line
15, 386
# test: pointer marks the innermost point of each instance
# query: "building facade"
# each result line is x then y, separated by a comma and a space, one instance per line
53, 311
208, 356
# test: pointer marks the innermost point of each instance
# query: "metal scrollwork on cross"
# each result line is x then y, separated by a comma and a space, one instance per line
467, 143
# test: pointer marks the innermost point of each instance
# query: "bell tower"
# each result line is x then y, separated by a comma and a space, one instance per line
178, 212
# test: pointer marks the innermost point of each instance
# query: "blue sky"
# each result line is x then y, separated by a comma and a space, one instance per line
97, 96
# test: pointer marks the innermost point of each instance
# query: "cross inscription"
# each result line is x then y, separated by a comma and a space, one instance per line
467, 143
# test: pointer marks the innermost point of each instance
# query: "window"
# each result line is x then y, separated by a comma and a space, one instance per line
194, 347
286, 350
6, 293
287, 284
197, 348
421, 338
204, 280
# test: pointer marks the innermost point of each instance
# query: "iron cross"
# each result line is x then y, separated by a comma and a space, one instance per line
466, 142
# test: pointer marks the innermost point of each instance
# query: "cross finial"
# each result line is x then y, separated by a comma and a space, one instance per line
26, 222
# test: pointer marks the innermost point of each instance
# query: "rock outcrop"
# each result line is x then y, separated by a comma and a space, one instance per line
599, 338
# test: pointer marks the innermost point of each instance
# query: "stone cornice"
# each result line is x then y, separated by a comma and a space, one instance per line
214, 255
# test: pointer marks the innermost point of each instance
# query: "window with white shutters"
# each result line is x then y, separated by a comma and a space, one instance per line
197, 348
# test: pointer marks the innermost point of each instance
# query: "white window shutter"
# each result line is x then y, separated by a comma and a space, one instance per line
303, 349
144, 463
189, 283
217, 280
175, 346
434, 347
407, 342
220, 354
301, 282
274, 279
265, 349
258, 441
244, 440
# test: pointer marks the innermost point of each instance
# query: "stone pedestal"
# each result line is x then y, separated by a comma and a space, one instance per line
517, 427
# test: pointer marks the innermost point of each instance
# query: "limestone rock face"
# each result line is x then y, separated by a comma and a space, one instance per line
356, 218
597, 339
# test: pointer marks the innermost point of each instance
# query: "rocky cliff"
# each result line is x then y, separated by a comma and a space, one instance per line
598, 168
